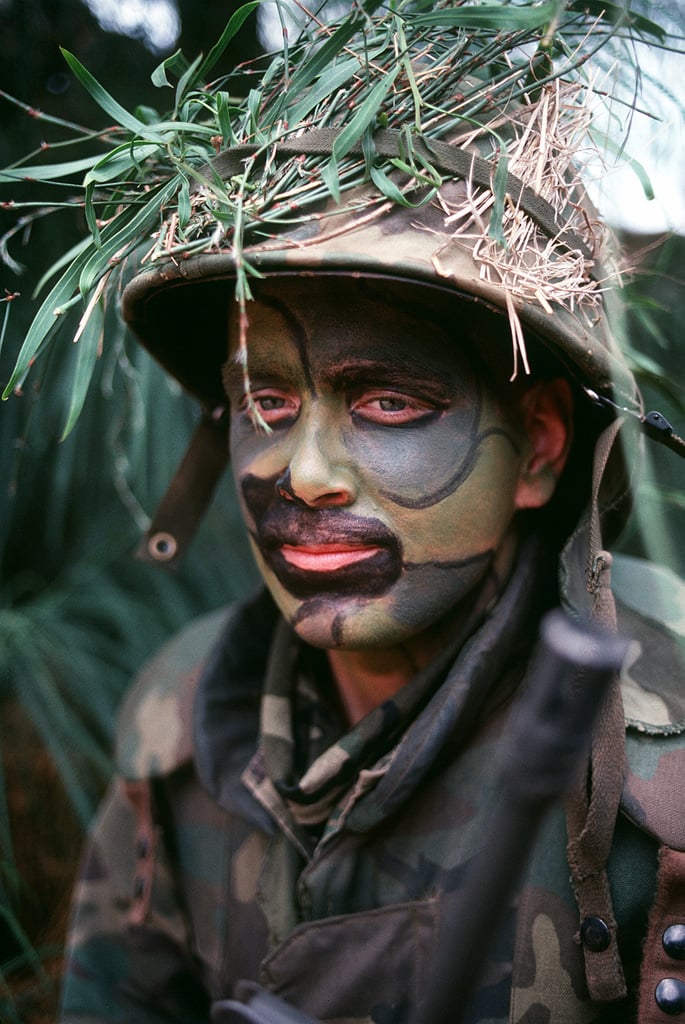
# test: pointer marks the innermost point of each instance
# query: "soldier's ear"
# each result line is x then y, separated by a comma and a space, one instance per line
547, 411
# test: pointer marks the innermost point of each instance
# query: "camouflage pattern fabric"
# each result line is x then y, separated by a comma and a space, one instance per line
344, 922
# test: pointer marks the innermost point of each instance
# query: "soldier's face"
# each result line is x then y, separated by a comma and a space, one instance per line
386, 491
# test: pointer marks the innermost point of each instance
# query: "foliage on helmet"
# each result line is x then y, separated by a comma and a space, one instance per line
487, 78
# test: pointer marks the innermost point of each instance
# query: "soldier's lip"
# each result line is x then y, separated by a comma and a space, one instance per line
326, 557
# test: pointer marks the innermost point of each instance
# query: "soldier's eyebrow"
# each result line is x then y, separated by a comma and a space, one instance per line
233, 376
402, 374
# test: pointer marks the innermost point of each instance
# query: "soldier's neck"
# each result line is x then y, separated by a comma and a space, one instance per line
366, 678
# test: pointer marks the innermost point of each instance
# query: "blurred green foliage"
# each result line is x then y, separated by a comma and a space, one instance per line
78, 614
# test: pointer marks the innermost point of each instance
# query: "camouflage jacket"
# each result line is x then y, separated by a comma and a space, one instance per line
196, 874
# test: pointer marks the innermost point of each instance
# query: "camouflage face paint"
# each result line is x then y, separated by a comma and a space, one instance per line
385, 491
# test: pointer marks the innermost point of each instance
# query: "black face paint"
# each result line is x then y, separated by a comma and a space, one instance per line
279, 521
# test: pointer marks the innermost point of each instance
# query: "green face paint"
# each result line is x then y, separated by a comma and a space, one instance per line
386, 491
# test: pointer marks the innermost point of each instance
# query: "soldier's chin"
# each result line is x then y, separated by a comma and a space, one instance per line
347, 623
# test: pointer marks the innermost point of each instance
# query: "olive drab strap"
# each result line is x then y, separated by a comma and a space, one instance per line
189, 493
662, 981
593, 806
388, 142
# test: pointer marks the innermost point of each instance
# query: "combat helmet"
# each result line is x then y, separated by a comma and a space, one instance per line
422, 150
410, 144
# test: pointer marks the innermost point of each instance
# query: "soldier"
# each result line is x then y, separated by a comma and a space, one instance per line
406, 330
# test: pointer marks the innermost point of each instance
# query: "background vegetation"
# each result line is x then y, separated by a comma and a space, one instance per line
77, 613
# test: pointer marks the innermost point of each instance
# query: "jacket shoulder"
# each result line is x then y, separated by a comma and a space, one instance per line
651, 614
155, 730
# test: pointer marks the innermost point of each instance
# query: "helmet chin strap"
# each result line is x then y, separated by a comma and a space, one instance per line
189, 493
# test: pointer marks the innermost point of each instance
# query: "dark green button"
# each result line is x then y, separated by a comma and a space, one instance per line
595, 934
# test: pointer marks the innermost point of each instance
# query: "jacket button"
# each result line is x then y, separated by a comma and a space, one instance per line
670, 996
674, 941
595, 934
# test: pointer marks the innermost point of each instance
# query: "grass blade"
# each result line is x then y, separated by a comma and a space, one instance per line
495, 16
104, 99
499, 189
55, 268
43, 322
364, 115
175, 62
90, 345
49, 172
120, 162
234, 25
125, 231
317, 65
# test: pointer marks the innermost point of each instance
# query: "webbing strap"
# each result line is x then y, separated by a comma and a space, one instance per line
388, 143
189, 493
593, 806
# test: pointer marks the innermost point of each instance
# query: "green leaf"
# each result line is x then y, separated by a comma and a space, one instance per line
636, 167
497, 16
91, 217
319, 64
104, 99
186, 82
49, 172
175, 62
43, 323
617, 13
364, 115
117, 164
148, 115
184, 208
88, 347
124, 233
499, 189
5, 321
643, 177
117, 238
65, 258
234, 25
223, 114
166, 128
387, 187
331, 178
327, 84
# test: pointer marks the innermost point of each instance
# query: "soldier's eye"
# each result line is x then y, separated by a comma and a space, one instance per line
389, 408
276, 407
